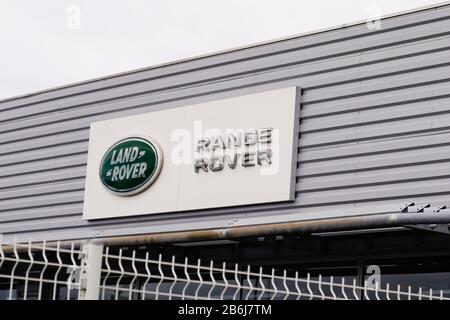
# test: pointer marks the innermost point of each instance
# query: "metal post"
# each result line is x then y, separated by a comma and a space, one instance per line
91, 267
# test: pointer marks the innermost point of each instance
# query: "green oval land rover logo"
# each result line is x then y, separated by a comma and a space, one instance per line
130, 166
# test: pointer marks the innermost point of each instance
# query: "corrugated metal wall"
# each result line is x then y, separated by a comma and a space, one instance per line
374, 134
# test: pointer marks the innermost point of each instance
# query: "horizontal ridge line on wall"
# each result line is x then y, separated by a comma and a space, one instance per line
206, 82
430, 21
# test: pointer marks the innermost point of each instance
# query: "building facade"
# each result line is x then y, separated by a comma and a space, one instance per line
373, 138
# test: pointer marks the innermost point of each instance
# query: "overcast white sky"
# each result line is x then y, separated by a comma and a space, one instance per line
46, 43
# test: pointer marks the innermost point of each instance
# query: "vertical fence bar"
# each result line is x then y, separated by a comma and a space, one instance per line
149, 275
387, 292
355, 293
249, 283
238, 283
274, 285
41, 278
199, 274
343, 289
60, 266
211, 274
121, 275
320, 287
162, 278
308, 286
261, 282
108, 272
175, 278
365, 290
13, 270
27, 273
332, 287
297, 287
286, 288
73, 271
188, 278
225, 281
135, 275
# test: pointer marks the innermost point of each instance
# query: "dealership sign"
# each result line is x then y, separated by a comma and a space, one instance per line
130, 166
236, 151
214, 156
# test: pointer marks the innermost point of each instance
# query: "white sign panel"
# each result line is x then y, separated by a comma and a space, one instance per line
230, 152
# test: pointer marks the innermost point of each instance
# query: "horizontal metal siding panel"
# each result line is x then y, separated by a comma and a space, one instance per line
395, 191
374, 162
56, 223
71, 125
42, 213
377, 131
373, 132
49, 152
351, 90
420, 143
424, 56
242, 69
43, 165
315, 40
380, 100
312, 72
18, 152
353, 72
372, 178
32, 179
31, 144
381, 115
75, 196
20, 193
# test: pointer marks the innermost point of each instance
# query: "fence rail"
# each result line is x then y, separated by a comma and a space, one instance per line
30, 271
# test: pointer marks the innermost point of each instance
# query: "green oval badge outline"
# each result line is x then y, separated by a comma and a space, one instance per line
152, 177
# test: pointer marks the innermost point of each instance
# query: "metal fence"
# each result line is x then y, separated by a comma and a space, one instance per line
30, 271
